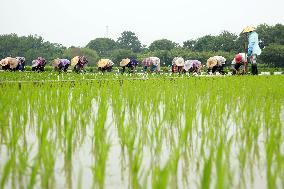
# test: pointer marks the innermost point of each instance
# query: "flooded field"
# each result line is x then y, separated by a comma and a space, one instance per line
185, 132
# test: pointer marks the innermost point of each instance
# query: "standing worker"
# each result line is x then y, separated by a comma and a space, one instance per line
253, 48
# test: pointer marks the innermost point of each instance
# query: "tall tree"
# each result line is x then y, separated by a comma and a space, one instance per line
206, 43
103, 46
189, 44
30, 47
273, 55
90, 54
162, 44
226, 41
128, 40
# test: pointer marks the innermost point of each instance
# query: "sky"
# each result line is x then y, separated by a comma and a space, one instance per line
76, 22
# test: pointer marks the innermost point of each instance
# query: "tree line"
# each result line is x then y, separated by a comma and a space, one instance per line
226, 44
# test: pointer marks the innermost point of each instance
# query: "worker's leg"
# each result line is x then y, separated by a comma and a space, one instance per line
214, 69
123, 70
131, 69
109, 69
221, 69
253, 65
236, 68
179, 69
153, 68
145, 68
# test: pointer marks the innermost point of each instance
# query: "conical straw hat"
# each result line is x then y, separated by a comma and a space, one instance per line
13, 63
124, 62
179, 61
74, 61
187, 65
102, 63
248, 29
211, 62
56, 62
4, 62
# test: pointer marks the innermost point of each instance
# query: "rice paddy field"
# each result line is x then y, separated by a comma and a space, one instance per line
141, 131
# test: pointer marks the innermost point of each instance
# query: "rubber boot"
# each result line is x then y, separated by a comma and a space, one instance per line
254, 69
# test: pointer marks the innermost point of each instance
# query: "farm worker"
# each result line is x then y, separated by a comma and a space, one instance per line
5, 63
174, 68
61, 64
177, 65
154, 62
192, 66
239, 60
78, 63
216, 64
253, 48
130, 63
74, 62
21, 63
9, 63
38, 64
105, 65
64, 64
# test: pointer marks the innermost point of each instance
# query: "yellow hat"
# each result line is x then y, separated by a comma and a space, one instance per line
74, 61
56, 62
249, 29
13, 63
102, 63
211, 62
4, 62
124, 62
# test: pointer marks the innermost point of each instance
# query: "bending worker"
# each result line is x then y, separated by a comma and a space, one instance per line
239, 60
216, 64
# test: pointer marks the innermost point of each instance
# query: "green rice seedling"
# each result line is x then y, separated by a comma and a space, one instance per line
207, 171
219, 132
101, 143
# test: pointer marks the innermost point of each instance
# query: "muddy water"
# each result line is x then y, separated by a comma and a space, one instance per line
117, 174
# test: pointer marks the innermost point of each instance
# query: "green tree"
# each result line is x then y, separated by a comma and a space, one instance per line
206, 43
91, 55
226, 41
103, 46
273, 55
189, 44
128, 40
29, 47
162, 44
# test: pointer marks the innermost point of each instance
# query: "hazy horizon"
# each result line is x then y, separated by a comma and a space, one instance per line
77, 22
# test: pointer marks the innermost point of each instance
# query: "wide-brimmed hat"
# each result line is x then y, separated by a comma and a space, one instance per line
248, 29
4, 62
35, 63
56, 62
238, 58
102, 63
74, 61
13, 63
179, 61
187, 65
211, 62
124, 62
